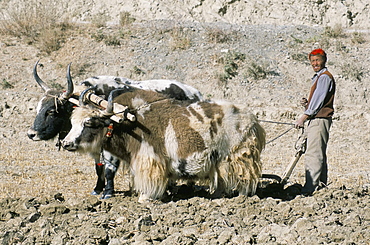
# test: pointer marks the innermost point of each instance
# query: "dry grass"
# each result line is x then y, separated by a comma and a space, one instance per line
109, 39
6, 85
125, 18
334, 32
230, 63
259, 70
358, 38
299, 57
352, 71
180, 38
28, 18
39, 23
99, 20
216, 35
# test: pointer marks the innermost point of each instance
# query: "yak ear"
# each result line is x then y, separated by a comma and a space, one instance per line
89, 123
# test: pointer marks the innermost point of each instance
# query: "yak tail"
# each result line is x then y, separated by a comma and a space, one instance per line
242, 168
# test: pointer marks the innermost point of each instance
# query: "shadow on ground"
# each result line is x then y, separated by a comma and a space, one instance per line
265, 190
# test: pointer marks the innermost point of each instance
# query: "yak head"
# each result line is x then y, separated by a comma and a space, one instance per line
87, 132
91, 125
53, 111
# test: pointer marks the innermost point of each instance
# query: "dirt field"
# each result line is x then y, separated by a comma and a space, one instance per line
44, 193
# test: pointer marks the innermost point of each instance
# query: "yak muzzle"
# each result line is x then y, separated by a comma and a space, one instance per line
69, 146
33, 135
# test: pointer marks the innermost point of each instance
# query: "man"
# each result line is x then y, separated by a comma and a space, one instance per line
318, 113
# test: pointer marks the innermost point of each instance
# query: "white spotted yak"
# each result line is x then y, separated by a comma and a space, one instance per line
215, 143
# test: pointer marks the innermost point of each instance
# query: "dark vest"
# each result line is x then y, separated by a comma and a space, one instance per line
327, 109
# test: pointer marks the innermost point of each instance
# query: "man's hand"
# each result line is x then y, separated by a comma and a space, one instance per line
304, 102
300, 122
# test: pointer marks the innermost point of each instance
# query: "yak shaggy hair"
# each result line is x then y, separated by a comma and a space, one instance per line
215, 143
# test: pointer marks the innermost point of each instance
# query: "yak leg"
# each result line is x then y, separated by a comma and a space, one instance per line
99, 168
150, 178
241, 170
111, 165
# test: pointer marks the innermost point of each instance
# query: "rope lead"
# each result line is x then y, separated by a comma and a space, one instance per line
278, 136
292, 124
276, 122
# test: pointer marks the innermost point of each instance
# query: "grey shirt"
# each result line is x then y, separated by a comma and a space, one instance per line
324, 85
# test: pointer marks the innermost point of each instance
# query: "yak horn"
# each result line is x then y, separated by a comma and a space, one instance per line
112, 95
69, 91
109, 109
38, 79
82, 98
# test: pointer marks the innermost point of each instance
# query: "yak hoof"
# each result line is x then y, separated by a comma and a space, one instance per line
95, 193
106, 196
144, 198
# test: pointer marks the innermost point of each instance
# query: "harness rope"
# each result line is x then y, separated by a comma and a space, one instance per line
276, 122
56, 99
146, 104
110, 127
292, 124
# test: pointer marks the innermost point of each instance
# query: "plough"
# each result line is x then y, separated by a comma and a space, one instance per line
300, 147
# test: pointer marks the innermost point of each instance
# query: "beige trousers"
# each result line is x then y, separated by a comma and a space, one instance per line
315, 157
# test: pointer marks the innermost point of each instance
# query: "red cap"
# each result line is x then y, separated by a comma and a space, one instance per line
318, 51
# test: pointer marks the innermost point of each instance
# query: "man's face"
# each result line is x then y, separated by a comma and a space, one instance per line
317, 62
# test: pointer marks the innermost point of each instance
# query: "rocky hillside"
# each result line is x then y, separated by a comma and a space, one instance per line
354, 14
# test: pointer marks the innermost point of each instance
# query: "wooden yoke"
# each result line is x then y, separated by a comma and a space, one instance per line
120, 111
